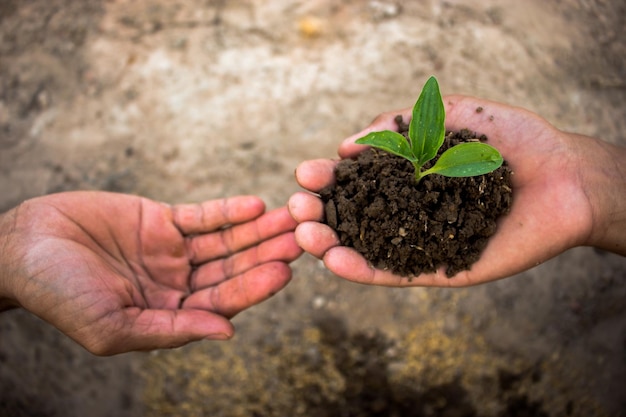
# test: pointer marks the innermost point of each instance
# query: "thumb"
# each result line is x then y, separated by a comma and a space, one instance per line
144, 330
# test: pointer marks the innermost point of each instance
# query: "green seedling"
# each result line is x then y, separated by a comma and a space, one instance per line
426, 135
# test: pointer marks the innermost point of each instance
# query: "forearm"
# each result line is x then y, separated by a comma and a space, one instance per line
604, 182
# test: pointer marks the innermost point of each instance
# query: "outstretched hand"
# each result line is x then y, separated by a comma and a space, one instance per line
555, 175
118, 273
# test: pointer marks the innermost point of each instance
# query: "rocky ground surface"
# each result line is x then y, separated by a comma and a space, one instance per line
184, 101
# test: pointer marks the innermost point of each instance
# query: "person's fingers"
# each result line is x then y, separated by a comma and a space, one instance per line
347, 263
147, 329
305, 207
384, 121
316, 174
205, 247
280, 248
316, 238
243, 291
212, 215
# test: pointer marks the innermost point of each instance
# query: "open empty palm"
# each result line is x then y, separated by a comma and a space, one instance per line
119, 273
550, 211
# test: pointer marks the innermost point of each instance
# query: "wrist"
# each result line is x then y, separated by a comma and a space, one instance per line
604, 182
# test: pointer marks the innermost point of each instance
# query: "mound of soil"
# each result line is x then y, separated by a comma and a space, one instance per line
376, 207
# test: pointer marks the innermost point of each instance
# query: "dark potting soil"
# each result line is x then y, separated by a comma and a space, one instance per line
376, 207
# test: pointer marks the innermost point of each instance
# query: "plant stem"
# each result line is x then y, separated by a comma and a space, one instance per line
418, 172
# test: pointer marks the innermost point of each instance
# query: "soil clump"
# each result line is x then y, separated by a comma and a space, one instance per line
410, 228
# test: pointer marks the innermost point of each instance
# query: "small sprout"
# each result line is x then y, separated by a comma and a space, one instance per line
426, 135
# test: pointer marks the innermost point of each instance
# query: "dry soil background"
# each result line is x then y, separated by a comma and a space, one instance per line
190, 100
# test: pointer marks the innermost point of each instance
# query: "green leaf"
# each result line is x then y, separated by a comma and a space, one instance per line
466, 160
389, 141
427, 127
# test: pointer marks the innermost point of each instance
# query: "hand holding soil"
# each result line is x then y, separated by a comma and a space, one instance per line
118, 272
561, 199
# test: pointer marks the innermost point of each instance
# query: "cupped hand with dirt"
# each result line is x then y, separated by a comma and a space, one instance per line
118, 273
568, 190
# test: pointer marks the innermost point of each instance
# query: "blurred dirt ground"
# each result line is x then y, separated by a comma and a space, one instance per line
184, 101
